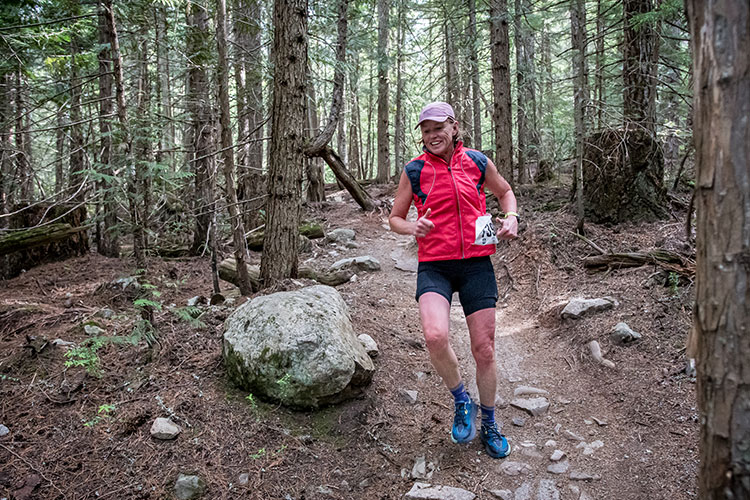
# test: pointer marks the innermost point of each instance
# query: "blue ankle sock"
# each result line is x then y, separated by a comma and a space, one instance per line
460, 394
488, 415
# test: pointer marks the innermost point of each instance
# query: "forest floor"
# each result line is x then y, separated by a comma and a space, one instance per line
75, 435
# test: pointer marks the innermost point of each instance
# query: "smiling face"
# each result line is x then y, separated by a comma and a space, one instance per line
439, 137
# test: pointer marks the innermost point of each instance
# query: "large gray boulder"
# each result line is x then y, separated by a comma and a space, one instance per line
298, 348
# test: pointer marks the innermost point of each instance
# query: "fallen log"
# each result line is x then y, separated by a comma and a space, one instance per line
337, 166
228, 272
16, 241
664, 258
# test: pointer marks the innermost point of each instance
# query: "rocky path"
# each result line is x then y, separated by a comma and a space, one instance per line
579, 430
555, 452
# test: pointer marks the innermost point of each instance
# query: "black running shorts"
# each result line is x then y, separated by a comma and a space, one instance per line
473, 279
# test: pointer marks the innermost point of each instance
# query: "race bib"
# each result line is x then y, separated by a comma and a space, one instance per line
485, 231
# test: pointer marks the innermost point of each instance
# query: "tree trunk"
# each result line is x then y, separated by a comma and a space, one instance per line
23, 143
532, 123
547, 141
580, 97
674, 119
5, 145
721, 74
501, 112
235, 218
384, 162
123, 159
17, 241
313, 164
399, 132
251, 189
46, 242
167, 130
355, 124
138, 190
289, 60
341, 128
640, 48
240, 24
60, 153
599, 62
107, 243
77, 158
368, 170
521, 93
474, 71
201, 115
452, 84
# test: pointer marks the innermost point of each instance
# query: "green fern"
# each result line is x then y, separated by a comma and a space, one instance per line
190, 315
147, 303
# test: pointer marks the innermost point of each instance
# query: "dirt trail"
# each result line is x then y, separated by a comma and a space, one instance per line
606, 454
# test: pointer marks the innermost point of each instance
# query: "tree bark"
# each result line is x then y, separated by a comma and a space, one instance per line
369, 169
355, 124
501, 112
399, 132
251, 188
721, 73
77, 158
580, 97
640, 50
384, 162
6, 162
107, 243
201, 115
235, 218
547, 141
450, 55
60, 153
164, 86
23, 143
341, 126
474, 70
521, 91
138, 190
123, 156
313, 164
289, 60
599, 71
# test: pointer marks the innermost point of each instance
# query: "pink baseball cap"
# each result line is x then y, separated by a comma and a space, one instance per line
437, 112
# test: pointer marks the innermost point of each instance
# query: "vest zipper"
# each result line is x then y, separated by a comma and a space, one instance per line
458, 209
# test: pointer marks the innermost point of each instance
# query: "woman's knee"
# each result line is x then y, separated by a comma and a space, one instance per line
436, 339
484, 351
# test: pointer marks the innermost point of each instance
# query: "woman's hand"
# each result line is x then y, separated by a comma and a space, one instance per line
423, 225
508, 228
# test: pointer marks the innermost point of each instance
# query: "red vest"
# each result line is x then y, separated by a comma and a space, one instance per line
455, 193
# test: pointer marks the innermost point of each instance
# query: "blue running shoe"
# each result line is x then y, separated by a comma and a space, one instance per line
495, 443
464, 422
